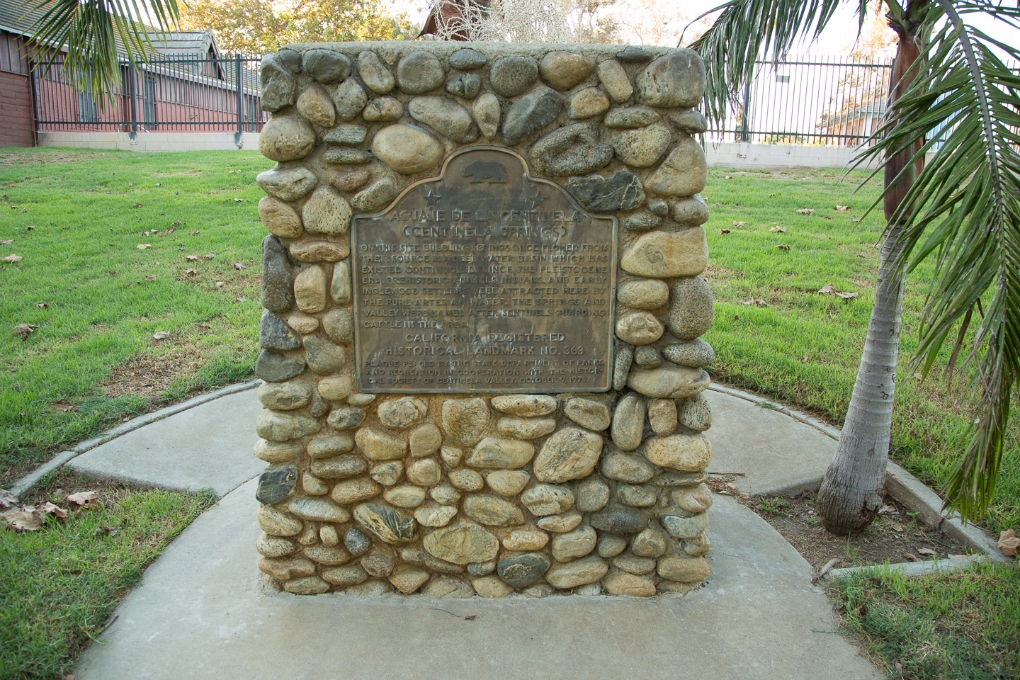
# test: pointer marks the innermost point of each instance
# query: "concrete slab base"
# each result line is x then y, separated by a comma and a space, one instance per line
209, 446
777, 454
202, 611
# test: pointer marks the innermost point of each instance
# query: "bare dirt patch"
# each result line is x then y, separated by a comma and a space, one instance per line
896, 535
151, 373
8, 160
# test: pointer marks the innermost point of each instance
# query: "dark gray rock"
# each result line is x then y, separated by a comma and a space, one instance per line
695, 354
349, 98
326, 66
690, 212
419, 72
659, 207
445, 116
339, 467
673, 80
274, 367
531, 113
323, 356
647, 357
276, 484
675, 478
690, 313
276, 84
341, 155
290, 60
622, 191
274, 333
621, 367
619, 520
642, 221
692, 122
467, 59
634, 55
571, 150
346, 134
387, 524
523, 570
356, 542
511, 76
631, 117
277, 276
466, 85
345, 418
319, 406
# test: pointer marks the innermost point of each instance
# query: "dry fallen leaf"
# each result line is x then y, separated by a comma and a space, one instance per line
150, 277
847, 296
160, 335
783, 246
41, 305
778, 230
238, 266
925, 551
756, 302
24, 330
911, 557
177, 223
739, 224
202, 328
7, 242
7, 499
30, 227
190, 272
55, 510
12, 258
83, 498
238, 200
239, 299
210, 256
191, 258
842, 208
898, 528
955, 557
220, 284
806, 211
728, 177
888, 510
1008, 543
23, 520
138, 205
724, 231
194, 233
144, 246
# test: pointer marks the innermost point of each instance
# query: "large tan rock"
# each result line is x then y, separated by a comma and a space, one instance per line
683, 569
462, 544
577, 573
683, 173
493, 453
569, 454
378, 445
667, 254
286, 138
279, 218
668, 381
407, 149
326, 212
683, 452
465, 420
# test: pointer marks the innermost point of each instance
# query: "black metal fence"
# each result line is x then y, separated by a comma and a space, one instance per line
165, 94
822, 101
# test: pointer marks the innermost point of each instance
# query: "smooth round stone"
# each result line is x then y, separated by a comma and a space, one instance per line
636, 496
465, 420
319, 250
374, 73
693, 499
622, 191
577, 573
694, 353
564, 70
696, 413
482, 568
275, 367
592, 495
354, 490
525, 428
675, 80
407, 149
318, 510
445, 116
466, 480
651, 542
570, 453
531, 113
547, 499
639, 328
331, 445
574, 544
493, 453
409, 580
560, 524
281, 427
276, 452
642, 147
434, 515
610, 546
349, 99
619, 520
691, 122
424, 472
347, 179
491, 587
274, 546
276, 84
621, 367
683, 173
462, 544
346, 156
658, 207
466, 85
525, 405
667, 254
624, 583
624, 468
643, 294
356, 541
492, 511
631, 117
274, 333
511, 76
403, 412
684, 527
278, 523
286, 569
571, 150
419, 72
286, 138
467, 59
587, 103
405, 496
683, 452
668, 381
690, 212
615, 80
346, 133
276, 484
339, 467
444, 494
634, 55
486, 112
663, 417
587, 413
425, 440
314, 104
279, 218
508, 482
684, 570
444, 587
522, 540
345, 576
326, 66
642, 221
647, 357
340, 285
284, 396
691, 311
523, 570
326, 212
378, 445
389, 473
383, 109
323, 356
335, 387
287, 184
385, 523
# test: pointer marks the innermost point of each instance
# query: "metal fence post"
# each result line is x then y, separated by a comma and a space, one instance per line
743, 116
35, 101
133, 104
240, 100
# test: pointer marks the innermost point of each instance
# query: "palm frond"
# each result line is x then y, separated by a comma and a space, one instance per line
963, 210
748, 30
90, 30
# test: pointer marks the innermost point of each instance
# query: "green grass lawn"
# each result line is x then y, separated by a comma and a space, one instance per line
77, 219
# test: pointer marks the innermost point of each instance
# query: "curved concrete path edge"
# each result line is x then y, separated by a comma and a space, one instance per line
26, 483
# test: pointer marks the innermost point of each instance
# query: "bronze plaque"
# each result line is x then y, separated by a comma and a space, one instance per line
483, 280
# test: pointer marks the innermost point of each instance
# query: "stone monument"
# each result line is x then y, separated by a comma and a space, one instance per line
481, 349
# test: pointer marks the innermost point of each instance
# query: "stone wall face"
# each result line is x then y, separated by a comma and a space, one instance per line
454, 495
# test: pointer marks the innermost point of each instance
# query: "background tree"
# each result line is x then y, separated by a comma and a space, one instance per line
561, 21
951, 95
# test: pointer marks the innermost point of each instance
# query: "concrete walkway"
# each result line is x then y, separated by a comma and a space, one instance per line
202, 611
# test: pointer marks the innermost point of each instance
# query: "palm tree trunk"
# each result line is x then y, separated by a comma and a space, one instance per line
851, 493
